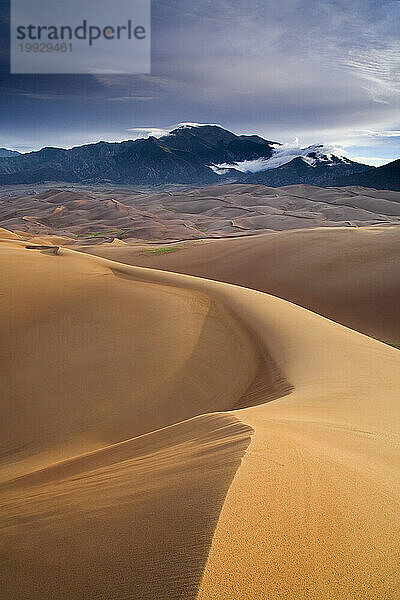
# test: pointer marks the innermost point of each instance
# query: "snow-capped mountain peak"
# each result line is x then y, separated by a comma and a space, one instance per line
319, 155
314, 155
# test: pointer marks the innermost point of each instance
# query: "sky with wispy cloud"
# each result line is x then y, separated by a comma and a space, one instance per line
323, 71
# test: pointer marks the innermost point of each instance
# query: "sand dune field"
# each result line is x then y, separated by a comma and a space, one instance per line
168, 437
345, 274
93, 215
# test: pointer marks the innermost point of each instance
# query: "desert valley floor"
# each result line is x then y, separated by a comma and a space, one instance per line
200, 394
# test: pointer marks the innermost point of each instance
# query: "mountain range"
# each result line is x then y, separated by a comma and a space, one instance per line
194, 155
4, 153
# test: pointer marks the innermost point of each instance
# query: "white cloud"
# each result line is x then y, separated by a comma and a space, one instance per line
131, 98
380, 134
245, 166
189, 124
282, 155
378, 68
157, 132
146, 132
373, 161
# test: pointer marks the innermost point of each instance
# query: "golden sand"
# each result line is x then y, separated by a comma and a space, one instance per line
171, 437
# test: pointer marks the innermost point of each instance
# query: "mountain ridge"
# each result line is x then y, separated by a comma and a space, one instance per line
6, 153
199, 155
298, 171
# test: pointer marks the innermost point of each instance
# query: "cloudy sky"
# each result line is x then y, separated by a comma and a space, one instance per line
323, 71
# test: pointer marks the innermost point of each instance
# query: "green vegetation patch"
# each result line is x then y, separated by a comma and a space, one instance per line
163, 250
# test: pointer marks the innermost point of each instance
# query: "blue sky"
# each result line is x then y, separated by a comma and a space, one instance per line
321, 70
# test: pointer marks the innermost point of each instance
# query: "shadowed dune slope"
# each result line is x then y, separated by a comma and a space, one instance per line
133, 520
111, 486
91, 358
173, 437
348, 275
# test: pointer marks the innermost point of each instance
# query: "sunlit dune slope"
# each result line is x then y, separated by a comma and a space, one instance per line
346, 274
91, 358
172, 437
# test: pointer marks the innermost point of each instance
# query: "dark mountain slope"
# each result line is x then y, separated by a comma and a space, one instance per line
5, 153
183, 156
386, 177
214, 145
298, 171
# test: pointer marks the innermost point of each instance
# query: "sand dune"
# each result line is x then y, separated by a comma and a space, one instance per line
93, 214
110, 351
345, 274
172, 437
